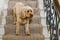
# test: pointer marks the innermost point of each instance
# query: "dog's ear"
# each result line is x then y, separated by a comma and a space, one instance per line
23, 14
27, 13
31, 15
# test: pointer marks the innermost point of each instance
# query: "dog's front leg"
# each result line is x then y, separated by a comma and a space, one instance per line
27, 32
14, 15
14, 19
17, 26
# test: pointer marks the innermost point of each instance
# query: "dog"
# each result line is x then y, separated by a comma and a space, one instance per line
22, 15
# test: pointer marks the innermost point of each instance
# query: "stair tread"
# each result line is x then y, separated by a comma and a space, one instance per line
36, 11
31, 37
34, 28
22, 0
34, 25
32, 8
35, 19
33, 4
33, 16
34, 35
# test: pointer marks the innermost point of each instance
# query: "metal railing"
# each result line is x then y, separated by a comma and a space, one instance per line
52, 19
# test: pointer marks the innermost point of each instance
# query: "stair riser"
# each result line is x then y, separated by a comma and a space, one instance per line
35, 12
33, 4
10, 29
9, 20
0, 20
36, 37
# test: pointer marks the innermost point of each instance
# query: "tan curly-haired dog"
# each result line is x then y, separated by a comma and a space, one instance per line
22, 15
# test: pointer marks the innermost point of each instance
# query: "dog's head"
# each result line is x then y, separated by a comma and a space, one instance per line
28, 11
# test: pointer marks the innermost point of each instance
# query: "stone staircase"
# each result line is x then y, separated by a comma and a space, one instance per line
36, 28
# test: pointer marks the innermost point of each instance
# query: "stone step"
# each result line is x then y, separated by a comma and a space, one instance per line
36, 19
32, 37
36, 11
33, 4
22, 0
34, 28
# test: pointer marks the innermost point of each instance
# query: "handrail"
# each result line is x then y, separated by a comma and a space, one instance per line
52, 16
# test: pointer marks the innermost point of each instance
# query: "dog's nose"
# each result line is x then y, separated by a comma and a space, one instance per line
31, 15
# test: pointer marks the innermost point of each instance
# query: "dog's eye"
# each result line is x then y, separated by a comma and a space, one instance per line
31, 10
28, 11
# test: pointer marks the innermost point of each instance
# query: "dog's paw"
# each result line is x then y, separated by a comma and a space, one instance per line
17, 34
14, 23
27, 33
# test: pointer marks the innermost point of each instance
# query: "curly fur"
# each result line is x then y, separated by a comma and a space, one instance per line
22, 15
